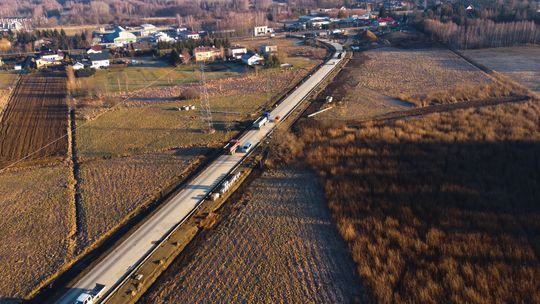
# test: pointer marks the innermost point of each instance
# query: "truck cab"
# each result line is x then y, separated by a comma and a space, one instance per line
85, 298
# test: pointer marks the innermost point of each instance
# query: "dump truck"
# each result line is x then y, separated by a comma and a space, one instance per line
232, 146
91, 296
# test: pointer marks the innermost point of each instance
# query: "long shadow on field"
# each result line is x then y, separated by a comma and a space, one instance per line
437, 220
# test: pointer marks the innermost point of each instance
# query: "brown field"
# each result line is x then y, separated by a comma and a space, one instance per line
520, 63
113, 188
442, 209
290, 47
420, 76
354, 101
37, 222
279, 245
35, 119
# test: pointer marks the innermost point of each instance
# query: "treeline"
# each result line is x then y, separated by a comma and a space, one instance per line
52, 12
498, 11
481, 33
53, 39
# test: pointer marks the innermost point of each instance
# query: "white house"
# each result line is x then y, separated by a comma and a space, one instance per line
251, 58
236, 52
78, 66
189, 35
268, 49
162, 37
99, 60
48, 59
260, 30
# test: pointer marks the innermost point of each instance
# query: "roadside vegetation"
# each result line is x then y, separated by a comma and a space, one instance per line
442, 208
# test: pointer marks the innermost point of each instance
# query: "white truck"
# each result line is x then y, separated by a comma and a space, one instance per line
261, 121
91, 296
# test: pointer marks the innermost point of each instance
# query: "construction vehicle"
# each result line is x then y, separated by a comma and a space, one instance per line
91, 296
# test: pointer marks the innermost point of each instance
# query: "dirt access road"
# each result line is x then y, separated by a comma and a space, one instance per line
35, 119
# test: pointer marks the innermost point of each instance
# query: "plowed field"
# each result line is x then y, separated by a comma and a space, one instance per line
35, 119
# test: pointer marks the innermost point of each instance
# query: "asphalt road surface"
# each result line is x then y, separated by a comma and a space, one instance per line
112, 268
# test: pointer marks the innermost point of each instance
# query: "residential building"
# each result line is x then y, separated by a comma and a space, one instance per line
189, 35
205, 53
147, 29
260, 30
236, 52
99, 60
48, 59
268, 49
162, 37
94, 49
78, 66
14, 24
251, 58
120, 37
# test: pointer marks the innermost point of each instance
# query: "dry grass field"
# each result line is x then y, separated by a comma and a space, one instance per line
8, 79
421, 76
35, 117
520, 63
439, 209
159, 127
354, 101
113, 188
278, 246
37, 222
286, 47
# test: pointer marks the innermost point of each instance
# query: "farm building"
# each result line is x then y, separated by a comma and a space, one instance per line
205, 53
252, 58
189, 35
236, 52
268, 49
99, 60
119, 37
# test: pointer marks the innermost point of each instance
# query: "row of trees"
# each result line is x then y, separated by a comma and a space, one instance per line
54, 39
480, 33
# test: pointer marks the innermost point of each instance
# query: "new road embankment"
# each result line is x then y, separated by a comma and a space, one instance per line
119, 263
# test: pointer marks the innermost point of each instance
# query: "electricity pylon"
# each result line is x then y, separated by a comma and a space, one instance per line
206, 114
